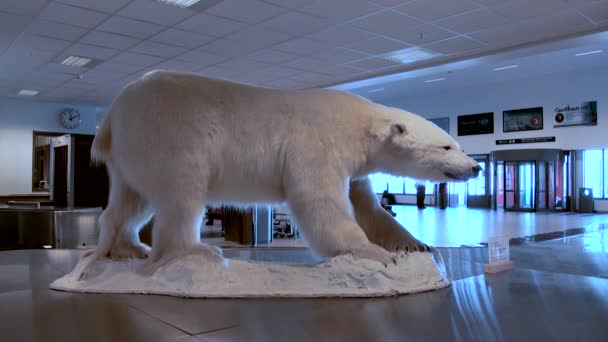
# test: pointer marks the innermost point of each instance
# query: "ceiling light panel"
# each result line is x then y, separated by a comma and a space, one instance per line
588, 53
411, 55
506, 67
435, 80
76, 61
179, 3
27, 92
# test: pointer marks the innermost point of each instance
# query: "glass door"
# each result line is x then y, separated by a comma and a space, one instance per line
541, 186
510, 188
478, 189
526, 185
519, 186
500, 185
545, 189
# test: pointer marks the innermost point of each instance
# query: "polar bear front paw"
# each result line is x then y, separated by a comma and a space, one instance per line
374, 252
407, 245
129, 251
212, 254
399, 239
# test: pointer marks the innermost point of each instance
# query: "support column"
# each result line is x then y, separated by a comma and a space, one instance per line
263, 225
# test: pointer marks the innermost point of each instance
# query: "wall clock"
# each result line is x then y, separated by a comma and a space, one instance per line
70, 118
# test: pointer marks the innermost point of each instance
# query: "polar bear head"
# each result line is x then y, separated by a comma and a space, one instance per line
411, 146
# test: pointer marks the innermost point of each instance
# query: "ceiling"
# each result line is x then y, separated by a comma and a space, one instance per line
289, 44
588, 52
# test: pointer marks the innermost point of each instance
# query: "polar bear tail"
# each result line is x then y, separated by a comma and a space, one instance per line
102, 144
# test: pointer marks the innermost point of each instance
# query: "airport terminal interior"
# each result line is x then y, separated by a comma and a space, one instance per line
518, 84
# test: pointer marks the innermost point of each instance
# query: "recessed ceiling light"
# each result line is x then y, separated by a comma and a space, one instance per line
411, 55
506, 67
179, 3
27, 92
588, 53
375, 90
435, 80
76, 61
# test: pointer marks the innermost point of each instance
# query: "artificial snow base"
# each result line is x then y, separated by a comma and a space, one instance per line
194, 276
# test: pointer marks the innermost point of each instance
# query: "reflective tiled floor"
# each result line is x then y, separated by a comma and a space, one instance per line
557, 292
455, 227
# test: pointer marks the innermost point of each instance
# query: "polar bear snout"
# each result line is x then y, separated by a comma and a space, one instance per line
476, 170
463, 174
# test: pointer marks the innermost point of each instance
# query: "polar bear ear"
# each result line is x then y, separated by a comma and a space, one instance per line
398, 128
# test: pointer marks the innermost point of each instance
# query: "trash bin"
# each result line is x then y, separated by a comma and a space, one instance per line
585, 198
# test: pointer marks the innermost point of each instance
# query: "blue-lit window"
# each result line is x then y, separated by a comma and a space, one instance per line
430, 188
396, 185
410, 186
605, 173
379, 182
594, 171
477, 186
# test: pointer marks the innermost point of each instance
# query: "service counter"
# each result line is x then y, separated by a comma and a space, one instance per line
30, 226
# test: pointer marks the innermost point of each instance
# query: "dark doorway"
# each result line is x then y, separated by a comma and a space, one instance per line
60, 176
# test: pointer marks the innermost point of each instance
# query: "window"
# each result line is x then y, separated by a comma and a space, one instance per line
379, 182
594, 171
605, 174
396, 185
477, 186
410, 186
41, 168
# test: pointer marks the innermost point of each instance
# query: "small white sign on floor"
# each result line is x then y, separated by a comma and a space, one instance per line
498, 250
498, 247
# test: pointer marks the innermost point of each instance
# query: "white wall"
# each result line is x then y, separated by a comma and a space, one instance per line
547, 91
18, 120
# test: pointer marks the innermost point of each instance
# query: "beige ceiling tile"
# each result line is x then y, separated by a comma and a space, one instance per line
373, 63
250, 11
66, 14
341, 10
454, 45
386, 23
377, 46
436, 9
296, 23
596, 11
473, 21
524, 9
423, 34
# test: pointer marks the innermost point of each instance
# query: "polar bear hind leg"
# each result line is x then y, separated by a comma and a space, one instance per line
380, 227
177, 222
119, 224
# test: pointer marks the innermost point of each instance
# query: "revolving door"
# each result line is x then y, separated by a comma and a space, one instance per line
530, 183
519, 185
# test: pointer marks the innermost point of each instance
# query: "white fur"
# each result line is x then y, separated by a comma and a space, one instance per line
174, 142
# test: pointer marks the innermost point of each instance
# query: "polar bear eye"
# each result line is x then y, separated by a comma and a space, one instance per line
447, 147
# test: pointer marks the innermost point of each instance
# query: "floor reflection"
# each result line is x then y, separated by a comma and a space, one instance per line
557, 292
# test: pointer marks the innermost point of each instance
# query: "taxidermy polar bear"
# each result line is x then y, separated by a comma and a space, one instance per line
174, 142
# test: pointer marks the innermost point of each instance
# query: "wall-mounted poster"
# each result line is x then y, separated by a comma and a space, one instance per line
476, 124
443, 123
528, 119
584, 114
